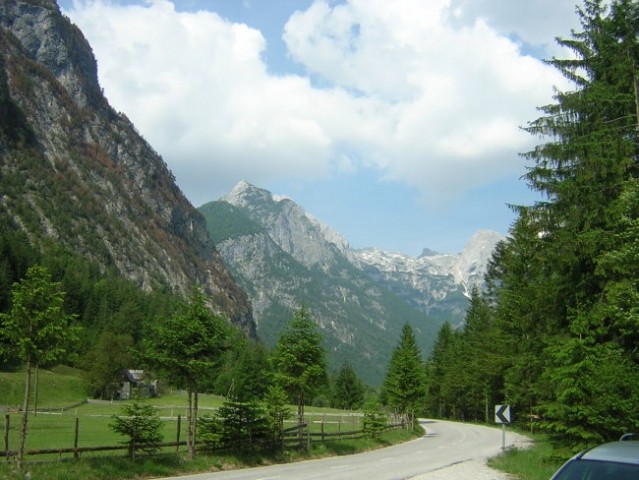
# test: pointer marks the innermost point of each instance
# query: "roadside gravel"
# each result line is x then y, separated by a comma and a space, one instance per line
475, 469
471, 469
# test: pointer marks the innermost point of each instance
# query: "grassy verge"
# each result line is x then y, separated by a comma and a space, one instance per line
539, 462
119, 468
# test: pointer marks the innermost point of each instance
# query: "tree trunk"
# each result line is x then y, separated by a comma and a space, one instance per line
196, 402
190, 447
35, 390
300, 408
486, 403
25, 415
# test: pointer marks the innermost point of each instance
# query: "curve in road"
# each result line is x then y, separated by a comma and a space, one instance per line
445, 444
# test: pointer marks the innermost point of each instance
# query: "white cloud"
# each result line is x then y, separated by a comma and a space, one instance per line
427, 102
536, 22
456, 96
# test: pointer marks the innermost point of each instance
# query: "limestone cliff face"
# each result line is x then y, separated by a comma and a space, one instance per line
75, 171
288, 225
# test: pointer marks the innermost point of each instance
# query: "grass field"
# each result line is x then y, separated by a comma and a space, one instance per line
62, 401
58, 387
55, 428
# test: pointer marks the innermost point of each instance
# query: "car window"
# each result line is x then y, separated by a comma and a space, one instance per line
598, 470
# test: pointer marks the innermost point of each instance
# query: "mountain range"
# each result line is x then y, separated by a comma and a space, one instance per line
285, 258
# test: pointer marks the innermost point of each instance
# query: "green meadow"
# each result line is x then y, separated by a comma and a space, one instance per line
61, 402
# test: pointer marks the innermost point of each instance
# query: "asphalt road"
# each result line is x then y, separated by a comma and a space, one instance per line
445, 444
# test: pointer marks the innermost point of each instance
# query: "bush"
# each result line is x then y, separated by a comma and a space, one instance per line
236, 424
375, 421
141, 423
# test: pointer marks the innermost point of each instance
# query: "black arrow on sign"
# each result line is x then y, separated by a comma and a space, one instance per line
499, 413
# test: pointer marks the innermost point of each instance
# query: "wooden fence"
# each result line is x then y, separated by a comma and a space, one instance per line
298, 436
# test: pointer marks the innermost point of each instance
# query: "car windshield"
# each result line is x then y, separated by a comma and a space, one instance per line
598, 470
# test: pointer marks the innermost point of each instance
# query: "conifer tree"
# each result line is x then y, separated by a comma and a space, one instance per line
558, 277
299, 359
348, 392
438, 371
405, 385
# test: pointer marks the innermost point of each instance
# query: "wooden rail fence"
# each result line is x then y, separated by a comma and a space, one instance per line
298, 436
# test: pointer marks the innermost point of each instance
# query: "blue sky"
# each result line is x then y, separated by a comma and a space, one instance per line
395, 123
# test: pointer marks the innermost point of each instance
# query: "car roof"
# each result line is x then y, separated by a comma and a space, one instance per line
620, 452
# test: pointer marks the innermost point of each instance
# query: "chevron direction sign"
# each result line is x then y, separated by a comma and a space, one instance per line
502, 413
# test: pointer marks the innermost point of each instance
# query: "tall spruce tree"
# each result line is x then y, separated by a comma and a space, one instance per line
559, 279
405, 385
438, 370
348, 392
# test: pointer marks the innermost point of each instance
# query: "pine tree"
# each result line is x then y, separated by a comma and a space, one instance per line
141, 423
481, 360
438, 369
348, 392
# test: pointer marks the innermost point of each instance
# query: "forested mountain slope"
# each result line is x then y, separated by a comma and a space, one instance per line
75, 173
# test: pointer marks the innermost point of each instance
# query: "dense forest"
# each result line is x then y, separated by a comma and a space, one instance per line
115, 319
556, 333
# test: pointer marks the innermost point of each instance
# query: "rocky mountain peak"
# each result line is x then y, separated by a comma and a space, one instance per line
473, 261
427, 252
245, 194
56, 44
287, 224
285, 258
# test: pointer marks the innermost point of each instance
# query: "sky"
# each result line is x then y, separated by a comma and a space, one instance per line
397, 123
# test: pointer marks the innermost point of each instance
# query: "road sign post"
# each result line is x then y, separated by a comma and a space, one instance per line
502, 415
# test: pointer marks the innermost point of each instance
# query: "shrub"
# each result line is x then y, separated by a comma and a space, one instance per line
141, 423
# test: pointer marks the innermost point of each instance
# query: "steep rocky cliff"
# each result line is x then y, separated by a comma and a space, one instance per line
74, 171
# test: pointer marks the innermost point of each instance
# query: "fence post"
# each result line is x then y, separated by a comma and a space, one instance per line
323, 421
7, 422
353, 425
76, 454
179, 427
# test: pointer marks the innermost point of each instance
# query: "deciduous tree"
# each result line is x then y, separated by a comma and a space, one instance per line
36, 330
